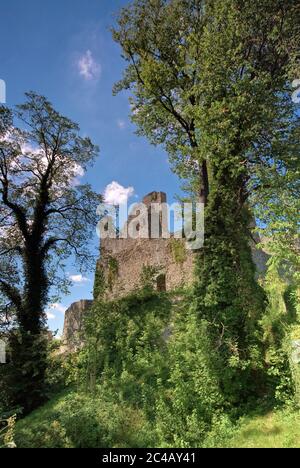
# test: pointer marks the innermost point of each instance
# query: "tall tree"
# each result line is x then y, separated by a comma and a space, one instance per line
210, 80
46, 216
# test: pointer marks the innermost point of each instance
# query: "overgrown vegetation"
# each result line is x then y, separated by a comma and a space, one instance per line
278, 429
146, 377
7, 432
178, 250
208, 366
228, 123
113, 269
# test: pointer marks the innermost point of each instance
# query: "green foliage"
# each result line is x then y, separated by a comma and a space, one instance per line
178, 250
113, 270
148, 278
229, 125
191, 398
159, 358
57, 375
26, 369
151, 380
281, 326
99, 283
278, 429
229, 299
7, 432
212, 110
160, 372
39, 231
5, 402
77, 420
125, 345
150, 376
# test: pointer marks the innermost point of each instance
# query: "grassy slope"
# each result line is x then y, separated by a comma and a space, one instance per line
48, 427
74, 419
279, 429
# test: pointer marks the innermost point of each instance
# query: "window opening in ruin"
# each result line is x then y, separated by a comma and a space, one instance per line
161, 283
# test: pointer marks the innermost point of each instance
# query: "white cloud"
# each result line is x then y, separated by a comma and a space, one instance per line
116, 194
121, 124
78, 170
79, 279
50, 316
88, 68
77, 173
57, 307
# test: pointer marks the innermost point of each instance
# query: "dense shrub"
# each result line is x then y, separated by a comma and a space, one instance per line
125, 346
281, 327
192, 398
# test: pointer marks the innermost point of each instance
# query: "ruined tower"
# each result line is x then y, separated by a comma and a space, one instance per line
123, 259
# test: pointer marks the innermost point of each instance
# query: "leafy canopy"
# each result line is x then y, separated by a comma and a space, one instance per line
45, 212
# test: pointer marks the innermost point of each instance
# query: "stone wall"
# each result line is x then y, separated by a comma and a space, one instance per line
129, 256
122, 260
73, 325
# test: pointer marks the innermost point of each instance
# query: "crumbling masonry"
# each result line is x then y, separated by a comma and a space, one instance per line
123, 260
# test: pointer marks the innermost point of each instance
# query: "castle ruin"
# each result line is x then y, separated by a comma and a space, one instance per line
124, 259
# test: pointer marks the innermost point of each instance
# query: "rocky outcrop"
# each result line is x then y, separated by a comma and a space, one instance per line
73, 325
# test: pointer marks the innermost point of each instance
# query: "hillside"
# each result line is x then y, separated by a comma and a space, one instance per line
58, 424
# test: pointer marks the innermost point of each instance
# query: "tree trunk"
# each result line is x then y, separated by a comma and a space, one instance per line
227, 294
29, 343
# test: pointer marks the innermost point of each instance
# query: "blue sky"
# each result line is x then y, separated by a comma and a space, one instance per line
63, 49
